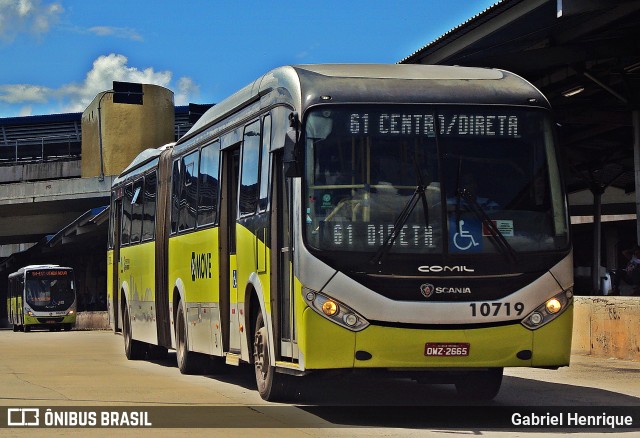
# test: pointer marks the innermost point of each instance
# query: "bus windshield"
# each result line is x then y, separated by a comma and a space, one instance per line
49, 290
465, 179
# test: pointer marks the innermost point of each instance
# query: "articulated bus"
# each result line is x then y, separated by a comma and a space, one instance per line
401, 218
42, 296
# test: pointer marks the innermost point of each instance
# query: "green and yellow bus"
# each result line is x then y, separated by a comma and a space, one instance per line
42, 296
405, 218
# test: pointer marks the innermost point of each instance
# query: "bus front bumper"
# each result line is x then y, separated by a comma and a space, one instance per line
325, 345
45, 321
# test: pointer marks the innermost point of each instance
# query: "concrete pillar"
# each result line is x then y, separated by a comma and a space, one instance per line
597, 191
125, 130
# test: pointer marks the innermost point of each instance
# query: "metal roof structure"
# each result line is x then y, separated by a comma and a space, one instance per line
584, 55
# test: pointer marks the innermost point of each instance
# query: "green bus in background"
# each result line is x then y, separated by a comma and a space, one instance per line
42, 296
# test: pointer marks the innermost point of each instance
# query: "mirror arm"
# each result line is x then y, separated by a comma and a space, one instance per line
292, 148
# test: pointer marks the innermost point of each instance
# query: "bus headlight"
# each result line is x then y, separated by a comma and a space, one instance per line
549, 310
334, 310
71, 312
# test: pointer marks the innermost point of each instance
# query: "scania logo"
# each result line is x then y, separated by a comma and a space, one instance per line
438, 268
428, 289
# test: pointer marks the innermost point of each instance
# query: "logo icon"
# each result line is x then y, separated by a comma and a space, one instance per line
426, 289
23, 417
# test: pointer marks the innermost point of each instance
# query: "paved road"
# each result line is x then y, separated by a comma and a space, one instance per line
87, 371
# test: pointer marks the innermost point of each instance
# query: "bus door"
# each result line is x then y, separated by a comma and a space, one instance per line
115, 263
281, 261
228, 257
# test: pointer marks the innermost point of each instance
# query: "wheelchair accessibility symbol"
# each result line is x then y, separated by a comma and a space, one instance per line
465, 236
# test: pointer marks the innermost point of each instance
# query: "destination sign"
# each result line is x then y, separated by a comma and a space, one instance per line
448, 124
49, 273
369, 235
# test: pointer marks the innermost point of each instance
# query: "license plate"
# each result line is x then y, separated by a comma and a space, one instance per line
446, 349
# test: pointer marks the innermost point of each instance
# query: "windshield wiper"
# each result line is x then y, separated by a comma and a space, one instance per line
495, 234
418, 194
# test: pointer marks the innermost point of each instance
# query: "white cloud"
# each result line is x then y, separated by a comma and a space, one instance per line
118, 32
31, 16
22, 93
187, 90
75, 97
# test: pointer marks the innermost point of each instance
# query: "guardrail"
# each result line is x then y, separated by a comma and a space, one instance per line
40, 149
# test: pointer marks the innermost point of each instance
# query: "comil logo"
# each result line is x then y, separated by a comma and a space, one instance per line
437, 268
23, 417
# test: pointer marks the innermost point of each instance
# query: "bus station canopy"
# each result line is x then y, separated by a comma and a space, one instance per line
584, 55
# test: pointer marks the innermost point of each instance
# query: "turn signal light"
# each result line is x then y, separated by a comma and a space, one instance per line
553, 305
330, 308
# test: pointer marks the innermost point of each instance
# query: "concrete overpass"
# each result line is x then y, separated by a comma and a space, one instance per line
31, 210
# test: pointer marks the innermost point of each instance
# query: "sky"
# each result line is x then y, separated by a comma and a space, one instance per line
57, 55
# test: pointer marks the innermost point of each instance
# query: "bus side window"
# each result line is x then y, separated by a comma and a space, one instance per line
264, 164
149, 201
176, 179
250, 162
189, 193
136, 211
126, 213
208, 184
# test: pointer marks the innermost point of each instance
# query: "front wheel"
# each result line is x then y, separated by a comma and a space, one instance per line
272, 386
480, 385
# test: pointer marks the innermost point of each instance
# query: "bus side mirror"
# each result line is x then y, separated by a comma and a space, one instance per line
292, 154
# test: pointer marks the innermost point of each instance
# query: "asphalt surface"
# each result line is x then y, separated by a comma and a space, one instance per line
85, 374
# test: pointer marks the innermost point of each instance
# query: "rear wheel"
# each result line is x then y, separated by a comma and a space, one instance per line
189, 362
272, 386
134, 350
480, 385
16, 328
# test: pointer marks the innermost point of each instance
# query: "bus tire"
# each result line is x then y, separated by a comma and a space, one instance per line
272, 386
480, 385
16, 328
134, 350
189, 362
67, 327
26, 328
